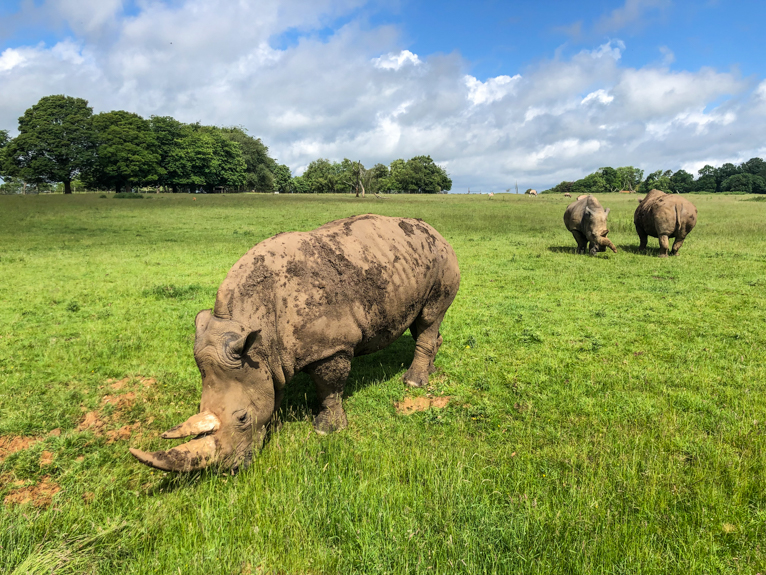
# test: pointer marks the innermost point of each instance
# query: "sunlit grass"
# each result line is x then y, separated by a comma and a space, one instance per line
607, 414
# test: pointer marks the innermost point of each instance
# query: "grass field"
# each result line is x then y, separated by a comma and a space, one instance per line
606, 414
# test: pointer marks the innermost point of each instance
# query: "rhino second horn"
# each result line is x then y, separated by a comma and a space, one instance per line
191, 456
204, 422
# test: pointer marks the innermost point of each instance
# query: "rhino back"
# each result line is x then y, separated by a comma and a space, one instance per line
356, 283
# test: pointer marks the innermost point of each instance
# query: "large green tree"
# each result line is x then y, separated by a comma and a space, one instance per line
127, 150
55, 142
681, 182
260, 168
205, 159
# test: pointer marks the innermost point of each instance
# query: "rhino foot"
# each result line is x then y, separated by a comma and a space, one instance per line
328, 421
415, 379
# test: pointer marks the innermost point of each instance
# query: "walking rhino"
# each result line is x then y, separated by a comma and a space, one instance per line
309, 301
586, 219
664, 216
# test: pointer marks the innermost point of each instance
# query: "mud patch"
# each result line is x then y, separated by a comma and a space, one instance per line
46, 458
40, 495
412, 404
120, 384
97, 422
11, 445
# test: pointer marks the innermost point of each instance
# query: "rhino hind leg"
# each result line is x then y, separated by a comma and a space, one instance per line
642, 238
427, 343
663, 246
677, 246
329, 377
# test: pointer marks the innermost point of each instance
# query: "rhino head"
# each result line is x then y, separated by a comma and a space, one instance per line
595, 229
237, 400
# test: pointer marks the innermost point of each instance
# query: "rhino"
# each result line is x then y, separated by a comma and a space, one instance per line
309, 301
586, 219
664, 216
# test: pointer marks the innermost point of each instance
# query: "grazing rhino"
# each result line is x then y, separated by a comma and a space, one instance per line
586, 219
567, 195
309, 301
664, 216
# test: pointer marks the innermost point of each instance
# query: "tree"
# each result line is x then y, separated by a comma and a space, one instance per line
205, 158
282, 178
681, 182
260, 168
590, 184
630, 178
724, 173
322, 176
755, 166
55, 142
611, 179
706, 181
659, 180
168, 133
744, 182
127, 150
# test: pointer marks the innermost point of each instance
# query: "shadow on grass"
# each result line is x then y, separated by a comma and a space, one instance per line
633, 249
562, 249
300, 401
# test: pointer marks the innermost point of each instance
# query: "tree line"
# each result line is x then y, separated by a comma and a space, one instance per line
748, 177
61, 142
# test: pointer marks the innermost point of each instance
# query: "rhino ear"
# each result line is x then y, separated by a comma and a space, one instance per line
201, 321
588, 212
242, 345
606, 211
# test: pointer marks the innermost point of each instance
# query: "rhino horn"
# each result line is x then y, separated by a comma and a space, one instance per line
204, 422
608, 243
190, 456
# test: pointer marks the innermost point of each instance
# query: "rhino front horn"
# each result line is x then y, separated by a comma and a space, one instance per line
191, 456
204, 422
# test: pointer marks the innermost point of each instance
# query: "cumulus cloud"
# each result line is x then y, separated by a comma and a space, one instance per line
360, 94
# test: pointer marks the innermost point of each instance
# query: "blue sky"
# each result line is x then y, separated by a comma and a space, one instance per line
497, 92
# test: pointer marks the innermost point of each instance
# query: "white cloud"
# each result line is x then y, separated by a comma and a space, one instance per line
492, 90
359, 94
600, 96
392, 61
11, 58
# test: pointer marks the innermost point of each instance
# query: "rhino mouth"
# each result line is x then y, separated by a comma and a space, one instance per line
202, 451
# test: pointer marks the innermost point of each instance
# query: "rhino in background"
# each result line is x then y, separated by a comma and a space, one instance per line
664, 216
586, 219
309, 301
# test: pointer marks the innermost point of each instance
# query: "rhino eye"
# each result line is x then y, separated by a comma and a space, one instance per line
242, 417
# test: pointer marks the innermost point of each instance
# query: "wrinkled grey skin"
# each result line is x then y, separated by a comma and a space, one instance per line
309, 301
664, 216
586, 219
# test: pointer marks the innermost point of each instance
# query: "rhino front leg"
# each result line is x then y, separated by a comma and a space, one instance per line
582, 241
329, 377
663, 246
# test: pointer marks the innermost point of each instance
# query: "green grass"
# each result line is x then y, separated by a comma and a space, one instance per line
607, 413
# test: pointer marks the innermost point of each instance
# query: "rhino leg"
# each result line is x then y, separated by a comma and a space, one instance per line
427, 343
677, 246
663, 246
415, 333
329, 377
642, 238
582, 241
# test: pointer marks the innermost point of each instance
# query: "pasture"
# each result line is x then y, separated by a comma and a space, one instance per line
604, 415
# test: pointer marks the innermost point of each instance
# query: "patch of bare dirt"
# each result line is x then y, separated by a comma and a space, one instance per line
46, 458
39, 495
117, 385
412, 404
97, 421
10, 445
123, 433
55, 432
